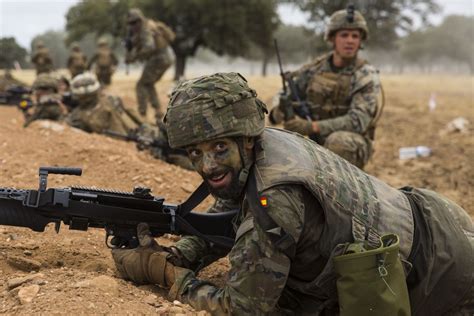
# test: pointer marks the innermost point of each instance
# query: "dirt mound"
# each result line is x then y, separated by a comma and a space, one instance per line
73, 272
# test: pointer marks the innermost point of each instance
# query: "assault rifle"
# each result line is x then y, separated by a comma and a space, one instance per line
293, 105
17, 95
117, 212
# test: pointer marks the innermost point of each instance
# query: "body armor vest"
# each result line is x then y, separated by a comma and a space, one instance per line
352, 200
329, 93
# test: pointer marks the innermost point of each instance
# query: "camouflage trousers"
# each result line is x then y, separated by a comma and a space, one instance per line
353, 147
153, 70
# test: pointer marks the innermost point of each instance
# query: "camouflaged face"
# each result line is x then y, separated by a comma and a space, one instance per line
45, 81
215, 106
339, 20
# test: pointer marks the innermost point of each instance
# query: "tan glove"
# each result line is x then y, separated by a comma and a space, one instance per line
145, 264
276, 116
304, 127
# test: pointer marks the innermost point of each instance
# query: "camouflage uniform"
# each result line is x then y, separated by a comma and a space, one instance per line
48, 105
316, 203
42, 59
105, 63
343, 101
151, 46
98, 113
77, 61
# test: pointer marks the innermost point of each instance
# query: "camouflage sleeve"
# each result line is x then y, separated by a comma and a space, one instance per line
197, 252
259, 270
363, 107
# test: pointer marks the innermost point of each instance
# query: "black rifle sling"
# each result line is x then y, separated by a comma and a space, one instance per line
194, 200
278, 236
187, 206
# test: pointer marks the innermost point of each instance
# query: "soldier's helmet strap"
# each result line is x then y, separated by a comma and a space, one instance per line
258, 204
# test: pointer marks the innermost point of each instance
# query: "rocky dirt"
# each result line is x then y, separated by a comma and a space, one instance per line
73, 272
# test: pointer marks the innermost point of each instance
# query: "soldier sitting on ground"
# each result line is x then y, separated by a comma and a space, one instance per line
42, 59
104, 62
315, 235
148, 42
341, 92
47, 103
77, 61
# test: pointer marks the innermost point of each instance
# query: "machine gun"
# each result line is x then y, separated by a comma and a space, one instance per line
117, 212
18, 96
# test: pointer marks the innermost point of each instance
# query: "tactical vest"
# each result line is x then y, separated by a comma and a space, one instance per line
329, 93
351, 199
77, 60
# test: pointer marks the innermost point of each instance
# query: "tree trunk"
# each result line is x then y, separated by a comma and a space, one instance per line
180, 66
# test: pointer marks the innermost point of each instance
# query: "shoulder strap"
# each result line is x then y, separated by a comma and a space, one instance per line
278, 236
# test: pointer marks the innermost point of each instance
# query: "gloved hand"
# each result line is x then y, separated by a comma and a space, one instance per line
297, 124
276, 116
147, 263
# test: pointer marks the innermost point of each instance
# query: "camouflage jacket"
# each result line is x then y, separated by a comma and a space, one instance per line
319, 202
152, 40
104, 59
42, 60
343, 99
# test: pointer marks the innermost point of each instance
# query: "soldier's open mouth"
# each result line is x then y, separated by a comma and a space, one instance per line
219, 181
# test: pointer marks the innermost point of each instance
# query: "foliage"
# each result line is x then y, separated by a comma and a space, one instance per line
11, 52
230, 27
384, 17
452, 39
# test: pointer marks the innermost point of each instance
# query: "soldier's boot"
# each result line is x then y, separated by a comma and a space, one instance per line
350, 146
142, 97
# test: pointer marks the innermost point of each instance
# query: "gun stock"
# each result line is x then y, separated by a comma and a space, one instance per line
117, 212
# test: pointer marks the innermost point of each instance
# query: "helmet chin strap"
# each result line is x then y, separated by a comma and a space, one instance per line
247, 162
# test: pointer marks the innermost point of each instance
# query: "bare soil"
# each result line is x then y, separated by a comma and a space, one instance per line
73, 272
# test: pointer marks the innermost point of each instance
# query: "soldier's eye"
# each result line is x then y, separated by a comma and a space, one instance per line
221, 147
194, 153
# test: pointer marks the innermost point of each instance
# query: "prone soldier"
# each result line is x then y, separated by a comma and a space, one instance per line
104, 61
47, 102
148, 42
315, 235
340, 90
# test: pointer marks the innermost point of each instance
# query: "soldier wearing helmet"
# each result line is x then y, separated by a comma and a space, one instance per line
77, 61
307, 218
341, 92
48, 104
41, 58
104, 62
148, 42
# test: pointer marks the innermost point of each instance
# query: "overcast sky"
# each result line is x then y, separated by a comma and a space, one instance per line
24, 19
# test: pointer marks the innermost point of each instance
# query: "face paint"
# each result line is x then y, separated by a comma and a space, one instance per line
219, 163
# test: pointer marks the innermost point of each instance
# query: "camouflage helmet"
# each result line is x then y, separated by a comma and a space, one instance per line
135, 15
213, 106
39, 44
344, 19
84, 84
75, 46
45, 81
102, 42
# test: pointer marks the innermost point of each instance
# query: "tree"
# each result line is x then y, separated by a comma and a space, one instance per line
384, 17
452, 39
11, 52
226, 27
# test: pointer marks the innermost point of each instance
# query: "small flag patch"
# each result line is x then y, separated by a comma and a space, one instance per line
264, 201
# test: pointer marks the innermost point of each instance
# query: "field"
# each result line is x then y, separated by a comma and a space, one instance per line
74, 271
